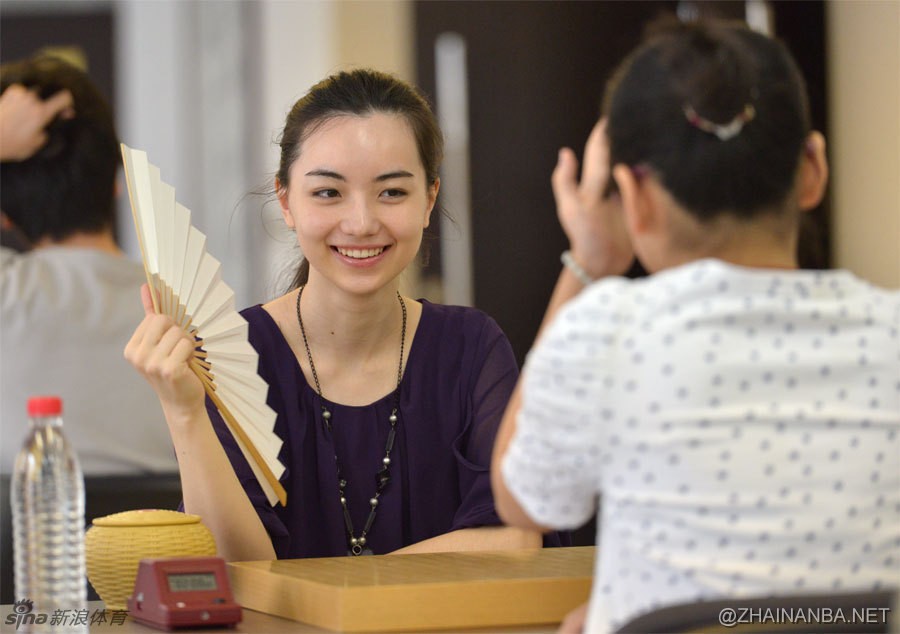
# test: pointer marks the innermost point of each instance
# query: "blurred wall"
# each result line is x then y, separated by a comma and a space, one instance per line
185, 71
864, 149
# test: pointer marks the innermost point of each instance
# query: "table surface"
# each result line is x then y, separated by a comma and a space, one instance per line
255, 622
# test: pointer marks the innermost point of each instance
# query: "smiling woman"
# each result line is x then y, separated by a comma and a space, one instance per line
388, 406
357, 196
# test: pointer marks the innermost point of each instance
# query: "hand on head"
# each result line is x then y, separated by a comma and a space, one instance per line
160, 350
24, 117
594, 225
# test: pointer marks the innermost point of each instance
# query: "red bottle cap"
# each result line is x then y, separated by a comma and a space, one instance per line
45, 406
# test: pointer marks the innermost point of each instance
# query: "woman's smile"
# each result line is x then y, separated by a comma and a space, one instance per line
361, 256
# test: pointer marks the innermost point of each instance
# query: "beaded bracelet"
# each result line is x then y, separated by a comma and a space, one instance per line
570, 263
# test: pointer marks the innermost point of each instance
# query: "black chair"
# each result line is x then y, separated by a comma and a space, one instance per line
103, 495
815, 613
586, 535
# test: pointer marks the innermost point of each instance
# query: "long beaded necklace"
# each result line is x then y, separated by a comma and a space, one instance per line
357, 545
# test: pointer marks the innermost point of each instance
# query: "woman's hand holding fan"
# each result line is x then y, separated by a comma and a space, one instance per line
162, 351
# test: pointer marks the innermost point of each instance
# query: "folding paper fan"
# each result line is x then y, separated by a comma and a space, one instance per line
188, 287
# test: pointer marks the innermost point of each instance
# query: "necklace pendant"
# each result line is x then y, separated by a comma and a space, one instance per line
358, 544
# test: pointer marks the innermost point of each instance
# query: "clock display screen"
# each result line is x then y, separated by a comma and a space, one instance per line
183, 582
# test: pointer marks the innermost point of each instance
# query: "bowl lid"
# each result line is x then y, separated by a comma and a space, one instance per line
146, 517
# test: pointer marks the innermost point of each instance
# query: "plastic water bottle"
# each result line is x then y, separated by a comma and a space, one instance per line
48, 526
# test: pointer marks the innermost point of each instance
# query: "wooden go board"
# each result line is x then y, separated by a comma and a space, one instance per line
419, 592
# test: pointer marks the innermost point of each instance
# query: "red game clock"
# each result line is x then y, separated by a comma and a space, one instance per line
183, 592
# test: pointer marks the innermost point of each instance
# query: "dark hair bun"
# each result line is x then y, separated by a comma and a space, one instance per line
717, 111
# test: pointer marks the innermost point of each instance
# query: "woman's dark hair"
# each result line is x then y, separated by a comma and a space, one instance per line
68, 186
359, 92
717, 69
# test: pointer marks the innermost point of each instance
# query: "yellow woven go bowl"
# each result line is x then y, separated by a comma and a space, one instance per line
115, 544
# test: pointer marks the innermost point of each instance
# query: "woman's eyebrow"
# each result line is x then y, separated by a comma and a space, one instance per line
390, 175
326, 174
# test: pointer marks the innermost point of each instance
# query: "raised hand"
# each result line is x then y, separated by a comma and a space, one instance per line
594, 225
161, 350
23, 118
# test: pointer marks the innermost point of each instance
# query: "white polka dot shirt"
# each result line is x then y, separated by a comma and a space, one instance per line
741, 425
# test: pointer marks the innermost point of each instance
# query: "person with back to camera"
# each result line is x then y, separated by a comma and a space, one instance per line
387, 406
739, 416
66, 305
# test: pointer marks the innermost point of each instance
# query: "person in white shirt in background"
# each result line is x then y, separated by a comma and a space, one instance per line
67, 303
737, 417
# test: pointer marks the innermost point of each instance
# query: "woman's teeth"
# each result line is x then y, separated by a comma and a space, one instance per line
360, 254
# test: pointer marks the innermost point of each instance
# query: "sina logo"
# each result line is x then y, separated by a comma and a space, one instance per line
22, 614
23, 607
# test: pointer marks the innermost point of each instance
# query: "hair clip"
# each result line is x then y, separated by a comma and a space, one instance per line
724, 131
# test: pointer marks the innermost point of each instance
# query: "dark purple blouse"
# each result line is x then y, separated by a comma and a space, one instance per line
459, 376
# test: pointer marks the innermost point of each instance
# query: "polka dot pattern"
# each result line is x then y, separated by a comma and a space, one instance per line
741, 426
